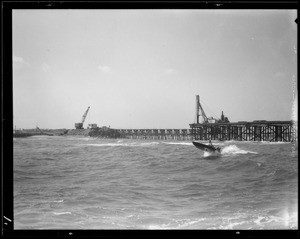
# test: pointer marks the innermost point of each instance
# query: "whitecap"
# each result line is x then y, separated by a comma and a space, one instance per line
105, 145
211, 154
151, 143
61, 213
122, 144
178, 143
277, 142
233, 149
189, 222
231, 225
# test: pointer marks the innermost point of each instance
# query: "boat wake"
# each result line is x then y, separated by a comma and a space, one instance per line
211, 155
233, 149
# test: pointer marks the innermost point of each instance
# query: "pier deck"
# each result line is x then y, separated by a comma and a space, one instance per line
245, 131
241, 131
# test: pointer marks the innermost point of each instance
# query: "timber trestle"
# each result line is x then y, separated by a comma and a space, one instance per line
241, 131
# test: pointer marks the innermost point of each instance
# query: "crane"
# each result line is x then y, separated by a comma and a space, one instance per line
198, 106
210, 119
80, 125
39, 130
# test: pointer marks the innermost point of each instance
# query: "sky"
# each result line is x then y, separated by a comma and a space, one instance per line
143, 68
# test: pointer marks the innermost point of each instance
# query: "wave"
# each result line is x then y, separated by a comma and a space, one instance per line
259, 221
78, 137
43, 204
249, 142
237, 222
178, 143
88, 138
151, 143
46, 159
211, 155
233, 149
278, 142
122, 144
176, 224
52, 201
61, 213
271, 222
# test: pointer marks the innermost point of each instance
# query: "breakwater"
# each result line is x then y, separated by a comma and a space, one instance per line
103, 132
33, 132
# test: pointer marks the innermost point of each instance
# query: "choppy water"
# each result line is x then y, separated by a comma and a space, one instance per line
90, 183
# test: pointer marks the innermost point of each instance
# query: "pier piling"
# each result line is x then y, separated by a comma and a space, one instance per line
272, 131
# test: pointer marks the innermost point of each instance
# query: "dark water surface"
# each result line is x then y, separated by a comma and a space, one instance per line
90, 183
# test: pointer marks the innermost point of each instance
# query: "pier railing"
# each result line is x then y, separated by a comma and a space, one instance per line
241, 131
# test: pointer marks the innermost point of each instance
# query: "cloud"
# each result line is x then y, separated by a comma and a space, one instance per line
170, 71
45, 67
104, 69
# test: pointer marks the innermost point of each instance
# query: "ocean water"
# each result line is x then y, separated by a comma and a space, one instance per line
91, 183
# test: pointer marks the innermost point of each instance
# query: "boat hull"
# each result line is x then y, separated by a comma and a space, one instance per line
204, 147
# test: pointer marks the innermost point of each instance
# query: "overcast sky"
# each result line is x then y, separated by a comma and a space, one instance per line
144, 68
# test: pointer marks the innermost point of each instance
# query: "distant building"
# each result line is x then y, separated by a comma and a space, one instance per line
92, 126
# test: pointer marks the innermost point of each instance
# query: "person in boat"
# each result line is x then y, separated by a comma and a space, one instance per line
216, 148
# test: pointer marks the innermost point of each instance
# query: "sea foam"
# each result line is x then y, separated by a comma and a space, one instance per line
233, 149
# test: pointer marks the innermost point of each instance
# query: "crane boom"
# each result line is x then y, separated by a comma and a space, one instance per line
203, 113
198, 106
80, 125
84, 115
39, 130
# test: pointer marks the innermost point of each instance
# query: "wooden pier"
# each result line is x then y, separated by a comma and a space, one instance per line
159, 134
272, 131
